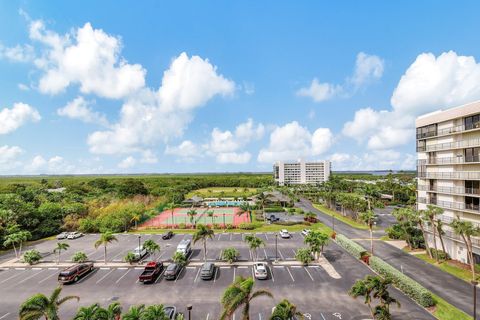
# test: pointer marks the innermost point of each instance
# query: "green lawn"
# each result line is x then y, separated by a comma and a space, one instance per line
338, 216
228, 192
445, 266
445, 311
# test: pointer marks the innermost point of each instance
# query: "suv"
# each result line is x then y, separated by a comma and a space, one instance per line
184, 247
139, 253
73, 273
172, 271
167, 235
62, 236
208, 271
74, 235
260, 270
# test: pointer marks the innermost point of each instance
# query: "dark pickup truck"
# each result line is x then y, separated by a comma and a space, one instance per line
152, 271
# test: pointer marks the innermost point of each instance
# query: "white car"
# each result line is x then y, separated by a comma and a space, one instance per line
284, 234
260, 270
139, 252
305, 232
74, 235
62, 236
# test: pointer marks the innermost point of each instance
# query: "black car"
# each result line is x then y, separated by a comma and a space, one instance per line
172, 271
170, 312
208, 270
273, 218
167, 235
73, 273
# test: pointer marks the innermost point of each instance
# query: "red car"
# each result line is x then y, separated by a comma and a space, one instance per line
151, 272
75, 272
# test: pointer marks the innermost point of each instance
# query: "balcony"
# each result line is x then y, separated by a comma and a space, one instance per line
451, 145
469, 207
451, 160
449, 131
450, 234
459, 175
450, 190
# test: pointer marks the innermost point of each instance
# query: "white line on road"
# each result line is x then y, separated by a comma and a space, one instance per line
259, 316
231, 236
219, 236
44, 279
234, 279
271, 272
122, 268
122, 276
214, 279
242, 267
208, 314
178, 276
309, 274
104, 268
5, 315
294, 253
15, 275
19, 268
291, 276
33, 275
52, 268
322, 316
198, 272
160, 275
281, 255
265, 252
266, 237
104, 276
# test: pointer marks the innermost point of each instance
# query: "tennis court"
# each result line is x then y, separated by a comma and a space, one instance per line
208, 216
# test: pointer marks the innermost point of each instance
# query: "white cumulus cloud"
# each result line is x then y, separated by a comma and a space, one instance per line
13, 118
9, 157
128, 162
80, 109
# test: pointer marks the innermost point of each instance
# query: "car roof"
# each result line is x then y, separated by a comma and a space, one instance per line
284, 230
171, 266
207, 265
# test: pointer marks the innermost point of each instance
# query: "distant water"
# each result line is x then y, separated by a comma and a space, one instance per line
375, 172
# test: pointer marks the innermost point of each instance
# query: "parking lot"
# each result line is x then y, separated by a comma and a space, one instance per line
315, 293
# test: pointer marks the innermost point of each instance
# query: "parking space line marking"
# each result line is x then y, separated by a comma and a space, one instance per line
15, 275
294, 253
44, 279
265, 252
19, 268
309, 274
242, 267
160, 275
33, 275
7, 314
198, 272
266, 237
281, 255
123, 276
271, 272
208, 314
278, 266
291, 276
104, 268
295, 266
322, 316
137, 268
231, 236
178, 276
122, 268
36, 268
234, 280
214, 279
253, 275
219, 236
104, 276
52, 268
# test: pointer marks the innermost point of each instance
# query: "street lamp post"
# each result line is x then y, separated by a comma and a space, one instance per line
333, 223
139, 248
224, 221
276, 248
189, 308
474, 283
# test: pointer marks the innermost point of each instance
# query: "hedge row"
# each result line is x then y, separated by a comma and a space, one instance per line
410, 287
351, 246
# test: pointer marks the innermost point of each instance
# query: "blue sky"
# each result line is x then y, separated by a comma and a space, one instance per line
153, 86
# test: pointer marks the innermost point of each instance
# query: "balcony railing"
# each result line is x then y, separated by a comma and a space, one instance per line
451, 160
451, 205
450, 234
452, 145
459, 175
450, 190
446, 131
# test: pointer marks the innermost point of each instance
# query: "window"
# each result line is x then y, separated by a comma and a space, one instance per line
471, 203
472, 154
472, 187
421, 144
472, 122
427, 131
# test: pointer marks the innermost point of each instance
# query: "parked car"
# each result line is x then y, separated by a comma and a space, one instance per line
170, 312
151, 272
305, 232
167, 235
284, 234
260, 270
75, 272
172, 271
273, 218
184, 247
74, 235
62, 236
208, 271
139, 253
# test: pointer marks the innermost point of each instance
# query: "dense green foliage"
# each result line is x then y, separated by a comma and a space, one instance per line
351, 246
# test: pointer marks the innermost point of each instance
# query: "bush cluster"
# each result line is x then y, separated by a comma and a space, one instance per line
442, 255
407, 285
249, 226
351, 246
32, 256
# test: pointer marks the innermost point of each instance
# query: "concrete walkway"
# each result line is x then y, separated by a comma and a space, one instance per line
456, 291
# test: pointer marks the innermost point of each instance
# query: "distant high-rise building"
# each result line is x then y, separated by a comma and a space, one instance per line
301, 172
448, 149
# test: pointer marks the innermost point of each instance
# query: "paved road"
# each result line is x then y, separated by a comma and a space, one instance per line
310, 288
457, 292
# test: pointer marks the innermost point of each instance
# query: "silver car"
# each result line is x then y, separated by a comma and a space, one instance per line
260, 270
62, 236
74, 235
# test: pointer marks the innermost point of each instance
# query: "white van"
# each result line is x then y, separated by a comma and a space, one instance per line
184, 247
139, 252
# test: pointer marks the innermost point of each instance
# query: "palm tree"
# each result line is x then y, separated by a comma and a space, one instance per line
17, 238
191, 214
105, 239
113, 312
210, 214
60, 246
92, 312
136, 218
368, 218
316, 240
154, 312
239, 294
39, 305
441, 233
262, 200
203, 233
135, 312
466, 230
151, 246
245, 209
371, 192
430, 215
285, 310
171, 206
254, 243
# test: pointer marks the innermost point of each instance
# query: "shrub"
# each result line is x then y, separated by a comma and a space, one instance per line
304, 255
216, 226
299, 211
246, 226
442, 255
230, 254
130, 257
32, 257
288, 223
179, 258
291, 210
395, 231
182, 226
351, 246
79, 256
230, 226
407, 285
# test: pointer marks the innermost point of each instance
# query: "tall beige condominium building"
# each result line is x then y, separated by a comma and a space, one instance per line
448, 149
301, 172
